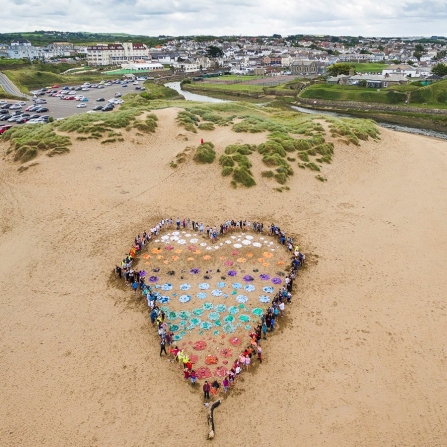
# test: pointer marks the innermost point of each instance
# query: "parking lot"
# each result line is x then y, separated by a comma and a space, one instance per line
60, 108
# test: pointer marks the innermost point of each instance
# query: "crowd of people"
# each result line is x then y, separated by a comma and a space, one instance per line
137, 281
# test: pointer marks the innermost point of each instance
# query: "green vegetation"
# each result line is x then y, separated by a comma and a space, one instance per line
158, 91
353, 93
32, 77
205, 153
433, 95
27, 141
339, 69
235, 161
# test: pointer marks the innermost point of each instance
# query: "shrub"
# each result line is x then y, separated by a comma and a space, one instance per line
227, 170
205, 153
243, 176
271, 147
312, 166
226, 161
303, 156
267, 174
243, 149
206, 126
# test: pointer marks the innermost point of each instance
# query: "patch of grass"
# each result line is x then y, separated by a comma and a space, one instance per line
187, 120
312, 166
205, 153
243, 176
226, 171
267, 174
321, 178
206, 126
303, 156
226, 161
243, 149
26, 141
108, 140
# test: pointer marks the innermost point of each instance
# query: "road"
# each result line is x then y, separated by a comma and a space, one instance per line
10, 88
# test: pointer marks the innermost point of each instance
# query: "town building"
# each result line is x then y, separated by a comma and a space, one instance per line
117, 53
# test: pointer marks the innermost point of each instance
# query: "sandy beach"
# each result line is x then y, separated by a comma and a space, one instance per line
361, 363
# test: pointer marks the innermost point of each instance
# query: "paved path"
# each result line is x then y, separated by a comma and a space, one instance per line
10, 88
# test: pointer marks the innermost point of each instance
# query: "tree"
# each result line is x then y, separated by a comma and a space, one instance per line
417, 55
213, 51
419, 48
439, 69
338, 69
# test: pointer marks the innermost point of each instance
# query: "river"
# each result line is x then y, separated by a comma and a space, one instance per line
192, 96
202, 98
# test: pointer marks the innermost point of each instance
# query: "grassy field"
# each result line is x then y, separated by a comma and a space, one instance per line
429, 96
352, 93
30, 78
13, 62
369, 67
226, 87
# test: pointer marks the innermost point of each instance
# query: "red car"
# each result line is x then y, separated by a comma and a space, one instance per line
3, 129
55, 86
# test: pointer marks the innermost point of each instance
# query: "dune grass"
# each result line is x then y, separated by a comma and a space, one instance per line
27, 141
205, 153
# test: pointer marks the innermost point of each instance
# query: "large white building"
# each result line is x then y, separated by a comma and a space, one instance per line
117, 53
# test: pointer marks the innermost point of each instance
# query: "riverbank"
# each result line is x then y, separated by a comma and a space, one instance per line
422, 118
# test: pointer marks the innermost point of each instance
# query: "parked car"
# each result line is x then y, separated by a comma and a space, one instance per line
5, 117
97, 108
42, 110
40, 101
123, 85
100, 100
15, 106
4, 111
21, 120
4, 128
84, 99
118, 95
81, 105
100, 86
107, 108
55, 86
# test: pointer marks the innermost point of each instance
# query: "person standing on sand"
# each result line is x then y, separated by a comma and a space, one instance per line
206, 390
225, 384
163, 346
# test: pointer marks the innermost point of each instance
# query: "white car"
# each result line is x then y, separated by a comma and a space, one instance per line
82, 105
15, 106
118, 101
108, 84
3, 101
73, 92
85, 89
135, 83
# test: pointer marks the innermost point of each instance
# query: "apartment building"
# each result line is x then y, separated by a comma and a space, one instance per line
117, 53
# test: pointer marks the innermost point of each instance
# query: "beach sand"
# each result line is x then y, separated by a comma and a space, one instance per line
362, 361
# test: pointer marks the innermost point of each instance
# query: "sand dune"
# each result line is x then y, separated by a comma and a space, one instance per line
362, 362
